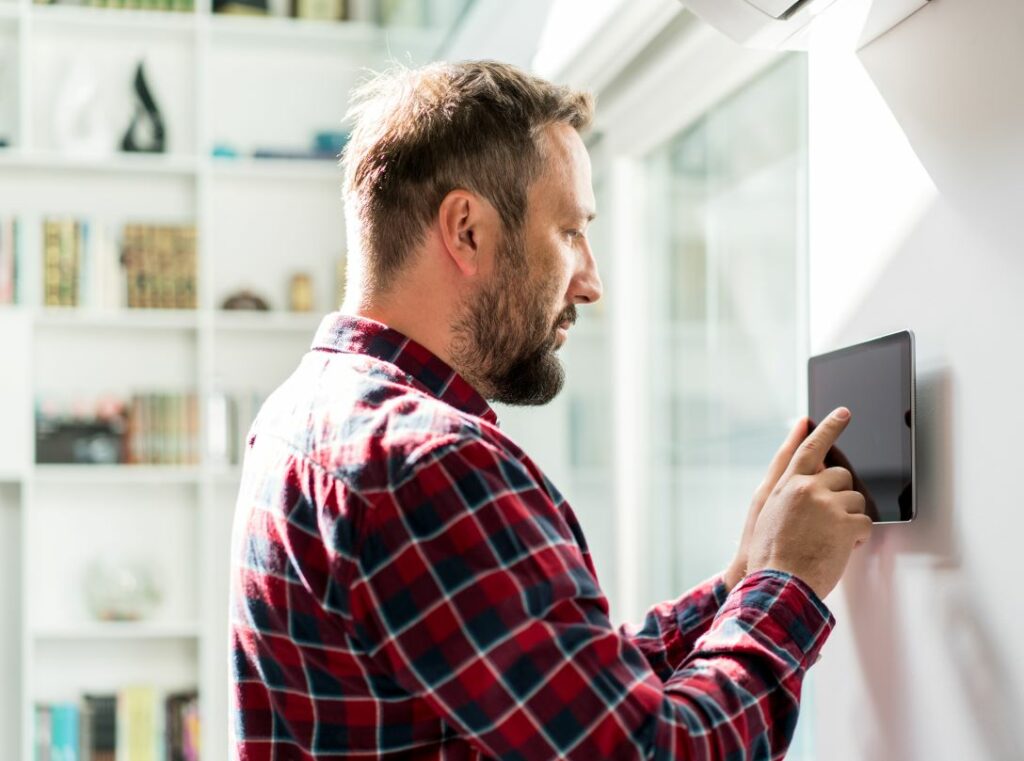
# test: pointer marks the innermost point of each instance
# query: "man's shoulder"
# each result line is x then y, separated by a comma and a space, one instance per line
367, 423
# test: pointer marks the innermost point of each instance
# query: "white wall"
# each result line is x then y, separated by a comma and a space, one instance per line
917, 198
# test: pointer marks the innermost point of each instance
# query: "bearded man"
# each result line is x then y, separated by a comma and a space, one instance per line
406, 582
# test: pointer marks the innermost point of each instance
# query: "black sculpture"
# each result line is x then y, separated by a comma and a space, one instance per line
146, 115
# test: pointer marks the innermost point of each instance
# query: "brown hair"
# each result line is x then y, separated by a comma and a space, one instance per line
418, 134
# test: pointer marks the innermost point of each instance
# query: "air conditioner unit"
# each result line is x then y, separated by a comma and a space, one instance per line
803, 24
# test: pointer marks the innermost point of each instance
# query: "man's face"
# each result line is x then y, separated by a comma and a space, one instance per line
509, 331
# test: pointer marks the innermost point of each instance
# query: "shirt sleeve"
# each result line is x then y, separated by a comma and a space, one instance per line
472, 594
670, 629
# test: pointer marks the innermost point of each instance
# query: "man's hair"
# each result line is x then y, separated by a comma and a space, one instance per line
418, 134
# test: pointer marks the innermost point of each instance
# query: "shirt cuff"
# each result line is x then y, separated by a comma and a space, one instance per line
779, 607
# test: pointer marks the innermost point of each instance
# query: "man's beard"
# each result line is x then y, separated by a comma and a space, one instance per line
504, 343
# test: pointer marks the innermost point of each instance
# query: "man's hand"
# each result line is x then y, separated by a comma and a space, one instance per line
738, 567
812, 518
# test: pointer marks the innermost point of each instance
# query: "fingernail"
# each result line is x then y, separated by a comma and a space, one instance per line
842, 413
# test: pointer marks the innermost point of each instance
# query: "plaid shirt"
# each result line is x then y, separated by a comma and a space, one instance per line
406, 583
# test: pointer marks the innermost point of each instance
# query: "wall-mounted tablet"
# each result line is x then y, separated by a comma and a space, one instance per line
876, 381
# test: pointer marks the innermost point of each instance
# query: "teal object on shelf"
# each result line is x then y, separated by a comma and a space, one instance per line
222, 151
330, 141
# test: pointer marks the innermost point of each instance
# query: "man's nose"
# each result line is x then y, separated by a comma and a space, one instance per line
588, 286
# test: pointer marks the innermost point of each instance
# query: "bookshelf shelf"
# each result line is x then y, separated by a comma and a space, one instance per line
120, 630
116, 474
242, 321
122, 319
317, 170
116, 163
226, 475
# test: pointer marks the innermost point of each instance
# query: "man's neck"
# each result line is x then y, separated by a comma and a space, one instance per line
411, 315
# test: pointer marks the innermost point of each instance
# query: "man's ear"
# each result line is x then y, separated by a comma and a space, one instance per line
469, 228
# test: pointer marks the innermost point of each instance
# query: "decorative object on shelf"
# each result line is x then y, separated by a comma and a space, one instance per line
146, 133
246, 300
241, 7
326, 144
330, 142
80, 435
224, 151
298, 154
121, 589
79, 125
300, 292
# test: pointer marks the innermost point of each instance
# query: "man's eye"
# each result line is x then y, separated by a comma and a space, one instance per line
573, 234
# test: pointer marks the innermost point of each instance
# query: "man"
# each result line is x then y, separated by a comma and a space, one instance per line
407, 583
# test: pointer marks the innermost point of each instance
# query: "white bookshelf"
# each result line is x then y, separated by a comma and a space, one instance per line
131, 630
246, 81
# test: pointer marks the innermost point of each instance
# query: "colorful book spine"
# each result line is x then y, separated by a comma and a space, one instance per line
139, 736
101, 713
44, 732
64, 732
162, 429
8, 261
139, 723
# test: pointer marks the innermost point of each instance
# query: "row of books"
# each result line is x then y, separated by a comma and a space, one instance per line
9, 261
152, 266
149, 428
153, 5
137, 723
160, 266
406, 12
162, 429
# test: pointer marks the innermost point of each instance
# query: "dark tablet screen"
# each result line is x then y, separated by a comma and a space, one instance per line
875, 380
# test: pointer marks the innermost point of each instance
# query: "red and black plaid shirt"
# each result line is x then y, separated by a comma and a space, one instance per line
407, 583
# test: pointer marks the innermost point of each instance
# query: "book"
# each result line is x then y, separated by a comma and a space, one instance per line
160, 266
182, 726
9, 261
43, 730
64, 732
139, 732
102, 713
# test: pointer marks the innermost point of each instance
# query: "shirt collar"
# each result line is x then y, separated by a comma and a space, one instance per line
360, 335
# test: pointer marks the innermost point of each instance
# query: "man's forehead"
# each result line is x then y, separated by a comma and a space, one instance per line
566, 176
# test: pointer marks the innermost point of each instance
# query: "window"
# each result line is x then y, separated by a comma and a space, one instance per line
727, 226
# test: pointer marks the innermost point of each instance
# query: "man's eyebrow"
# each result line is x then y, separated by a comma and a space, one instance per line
584, 212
